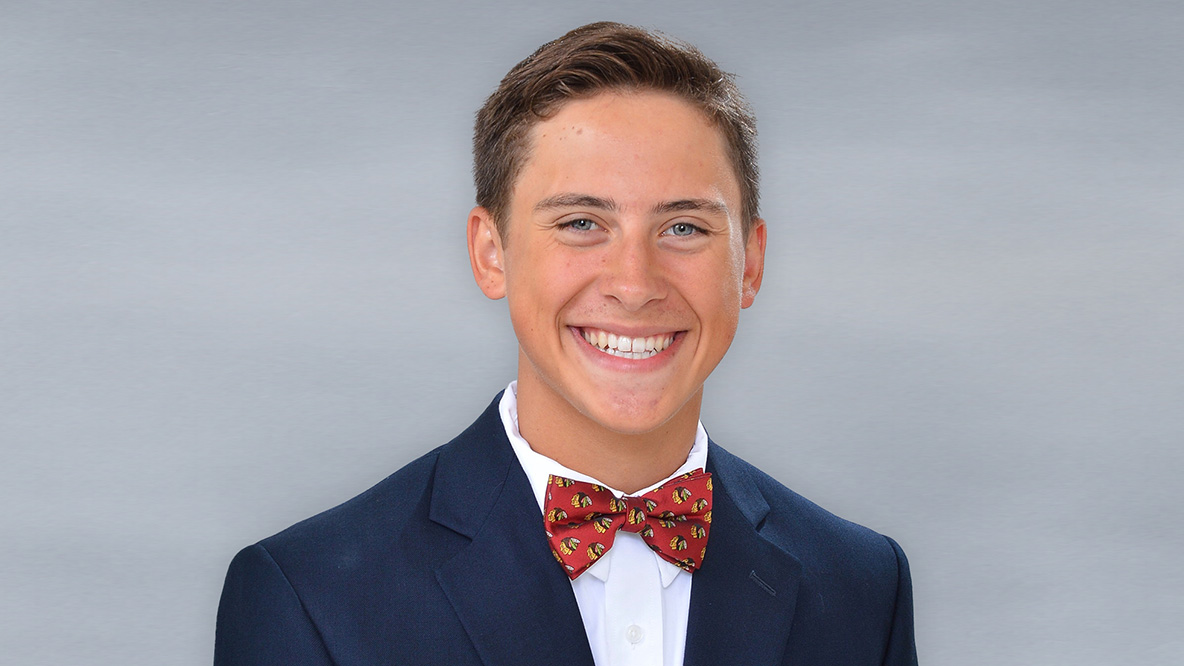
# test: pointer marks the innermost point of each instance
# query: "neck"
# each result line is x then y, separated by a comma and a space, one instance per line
626, 461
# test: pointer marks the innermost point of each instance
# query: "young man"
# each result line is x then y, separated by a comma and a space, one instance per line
585, 517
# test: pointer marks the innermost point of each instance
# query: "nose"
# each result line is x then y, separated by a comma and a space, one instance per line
633, 274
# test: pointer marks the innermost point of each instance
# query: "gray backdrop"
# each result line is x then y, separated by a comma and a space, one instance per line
234, 292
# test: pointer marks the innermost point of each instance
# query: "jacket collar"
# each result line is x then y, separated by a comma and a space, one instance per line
517, 605
743, 597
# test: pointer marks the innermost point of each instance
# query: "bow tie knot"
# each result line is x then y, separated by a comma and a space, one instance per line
582, 520
635, 515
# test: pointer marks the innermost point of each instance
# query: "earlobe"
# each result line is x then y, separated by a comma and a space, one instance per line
485, 253
754, 262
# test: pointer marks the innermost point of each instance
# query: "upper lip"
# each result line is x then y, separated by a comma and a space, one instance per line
630, 331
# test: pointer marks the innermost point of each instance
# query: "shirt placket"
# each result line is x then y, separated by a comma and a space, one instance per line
633, 601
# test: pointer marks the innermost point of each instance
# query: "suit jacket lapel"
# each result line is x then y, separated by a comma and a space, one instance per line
514, 601
743, 597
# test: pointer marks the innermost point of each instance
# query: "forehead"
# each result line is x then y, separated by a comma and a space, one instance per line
637, 148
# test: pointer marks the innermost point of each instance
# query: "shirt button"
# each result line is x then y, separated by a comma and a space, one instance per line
634, 634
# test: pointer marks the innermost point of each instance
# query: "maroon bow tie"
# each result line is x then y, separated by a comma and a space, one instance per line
583, 518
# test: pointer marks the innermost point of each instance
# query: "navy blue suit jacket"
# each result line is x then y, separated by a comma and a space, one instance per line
445, 562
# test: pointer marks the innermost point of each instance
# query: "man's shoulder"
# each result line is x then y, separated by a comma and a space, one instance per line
397, 504
362, 577
814, 535
389, 503
852, 584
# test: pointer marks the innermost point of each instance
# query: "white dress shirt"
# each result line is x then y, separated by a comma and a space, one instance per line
633, 603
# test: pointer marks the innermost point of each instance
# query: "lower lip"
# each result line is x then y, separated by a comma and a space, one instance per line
621, 363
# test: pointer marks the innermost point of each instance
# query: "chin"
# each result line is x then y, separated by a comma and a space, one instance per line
628, 417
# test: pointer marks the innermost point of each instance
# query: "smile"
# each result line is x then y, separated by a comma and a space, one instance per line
625, 346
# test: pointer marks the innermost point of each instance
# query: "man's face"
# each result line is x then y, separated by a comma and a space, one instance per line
624, 261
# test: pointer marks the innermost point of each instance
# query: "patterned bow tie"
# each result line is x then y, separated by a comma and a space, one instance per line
583, 518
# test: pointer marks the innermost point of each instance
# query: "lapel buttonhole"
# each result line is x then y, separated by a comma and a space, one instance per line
762, 584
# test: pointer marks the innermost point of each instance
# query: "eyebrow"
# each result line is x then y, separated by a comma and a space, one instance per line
685, 205
572, 200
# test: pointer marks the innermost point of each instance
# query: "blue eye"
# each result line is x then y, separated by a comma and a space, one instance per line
682, 229
580, 225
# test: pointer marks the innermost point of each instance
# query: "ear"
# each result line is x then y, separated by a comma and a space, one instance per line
754, 262
485, 253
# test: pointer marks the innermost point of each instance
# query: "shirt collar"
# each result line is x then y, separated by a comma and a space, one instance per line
539, 467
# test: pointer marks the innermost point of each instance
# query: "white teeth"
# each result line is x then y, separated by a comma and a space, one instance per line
627, 347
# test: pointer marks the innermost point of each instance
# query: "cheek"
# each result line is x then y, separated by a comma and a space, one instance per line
714, 290
540, 286
715, 281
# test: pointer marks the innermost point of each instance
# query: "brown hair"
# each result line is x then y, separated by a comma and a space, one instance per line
596, 58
